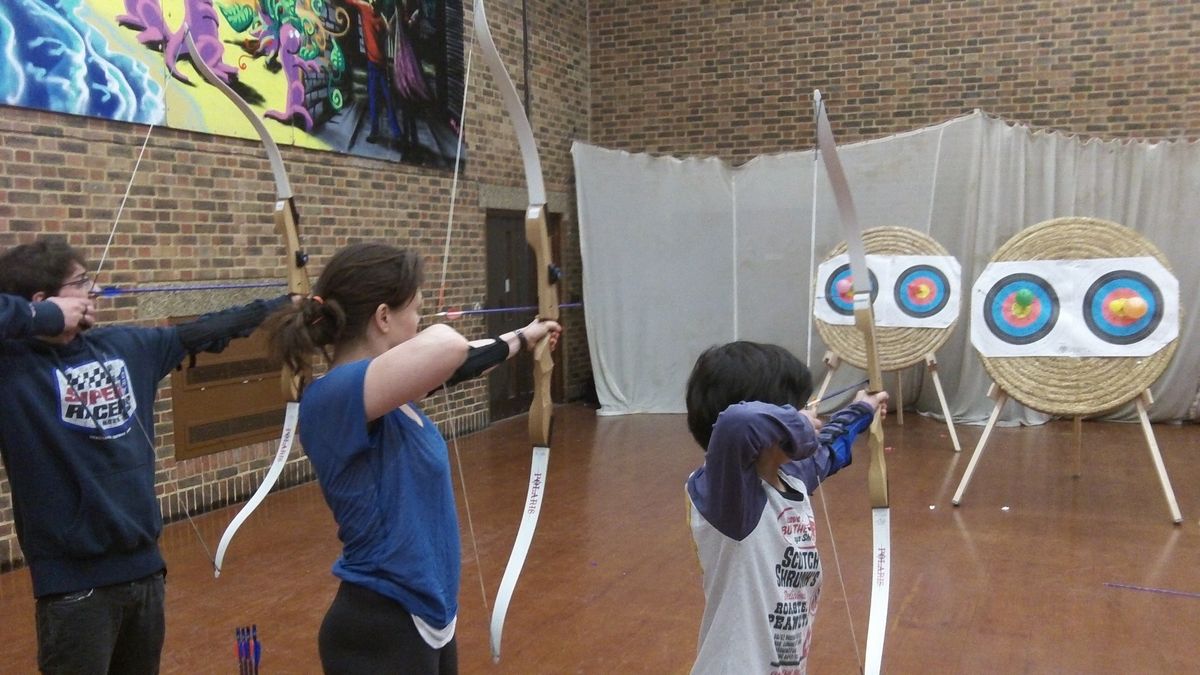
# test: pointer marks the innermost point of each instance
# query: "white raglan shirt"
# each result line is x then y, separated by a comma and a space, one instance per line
761, 592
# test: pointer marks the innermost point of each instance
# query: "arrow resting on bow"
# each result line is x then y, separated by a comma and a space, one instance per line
537, 235
286, 217
864, 319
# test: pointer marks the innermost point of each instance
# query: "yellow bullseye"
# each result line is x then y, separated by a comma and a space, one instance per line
920, 291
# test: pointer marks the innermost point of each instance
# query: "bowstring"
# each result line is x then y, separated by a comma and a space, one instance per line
112, 233
182, 500
452, 426
121, 208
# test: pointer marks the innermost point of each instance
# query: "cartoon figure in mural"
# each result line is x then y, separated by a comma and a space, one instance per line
146, 17
288, 34
267, 18
294, 67
374, 35
406, 70
268, 34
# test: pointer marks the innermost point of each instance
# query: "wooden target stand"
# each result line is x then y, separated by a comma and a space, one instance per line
832, 361
1077, 387
899, 348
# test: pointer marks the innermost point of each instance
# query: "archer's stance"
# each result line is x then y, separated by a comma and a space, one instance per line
382, 464
750, 514
76, 437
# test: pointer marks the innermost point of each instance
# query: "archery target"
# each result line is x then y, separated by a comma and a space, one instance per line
921, 291
839, 290
1123, 307
1093, 307
924, 291
902, 339
1099, 355
1021, 308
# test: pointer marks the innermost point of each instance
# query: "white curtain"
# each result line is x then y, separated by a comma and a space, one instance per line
680, 255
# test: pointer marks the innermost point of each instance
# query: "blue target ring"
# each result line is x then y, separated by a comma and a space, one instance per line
845, 306
1122, 283
927, 276
1014, 324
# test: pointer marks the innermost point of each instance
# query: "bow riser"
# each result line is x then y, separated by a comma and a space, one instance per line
297, 281
864, 319
538, 237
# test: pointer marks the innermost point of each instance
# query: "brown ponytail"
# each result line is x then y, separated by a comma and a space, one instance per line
357, 279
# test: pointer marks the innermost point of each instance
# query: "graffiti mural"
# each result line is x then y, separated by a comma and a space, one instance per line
378, 78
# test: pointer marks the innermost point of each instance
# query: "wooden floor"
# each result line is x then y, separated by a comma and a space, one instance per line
1034, 573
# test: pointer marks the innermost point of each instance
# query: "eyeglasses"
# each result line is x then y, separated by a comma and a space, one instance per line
78, 283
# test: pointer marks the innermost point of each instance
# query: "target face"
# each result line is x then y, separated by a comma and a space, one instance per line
1123, 307
839, 290
1074, 308
921, 291
918, 291
1021, 308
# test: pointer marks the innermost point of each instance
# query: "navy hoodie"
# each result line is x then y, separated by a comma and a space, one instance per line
76, 430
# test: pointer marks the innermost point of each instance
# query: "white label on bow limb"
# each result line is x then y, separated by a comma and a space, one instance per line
286, 439
915, 291
1103, 307
529, 518
881, 587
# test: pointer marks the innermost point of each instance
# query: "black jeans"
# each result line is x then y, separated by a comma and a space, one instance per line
366, 633
111, 629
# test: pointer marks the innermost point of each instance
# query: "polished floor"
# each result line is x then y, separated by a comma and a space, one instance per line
1039, 570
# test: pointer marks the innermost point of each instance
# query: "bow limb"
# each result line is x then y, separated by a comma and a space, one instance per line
286, 217
864, 319
537, 235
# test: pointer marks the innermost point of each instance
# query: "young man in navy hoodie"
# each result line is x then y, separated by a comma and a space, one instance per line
76, 430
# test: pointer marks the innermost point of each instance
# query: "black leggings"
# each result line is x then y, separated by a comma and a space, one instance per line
365, 632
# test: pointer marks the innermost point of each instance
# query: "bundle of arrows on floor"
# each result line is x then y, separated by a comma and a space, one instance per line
249, 649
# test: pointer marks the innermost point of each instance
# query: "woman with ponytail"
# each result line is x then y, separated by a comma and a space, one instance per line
382, 464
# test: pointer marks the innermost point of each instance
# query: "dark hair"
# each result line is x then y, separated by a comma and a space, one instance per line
742, 371
38, 267
357, 279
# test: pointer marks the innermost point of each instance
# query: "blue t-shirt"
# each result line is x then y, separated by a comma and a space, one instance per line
388, 484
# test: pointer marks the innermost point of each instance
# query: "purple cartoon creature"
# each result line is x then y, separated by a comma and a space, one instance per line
294, 67
146, 17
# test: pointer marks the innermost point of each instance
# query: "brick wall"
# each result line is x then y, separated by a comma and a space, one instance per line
734, 78
200, 210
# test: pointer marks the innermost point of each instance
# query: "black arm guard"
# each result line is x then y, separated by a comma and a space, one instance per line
212, 332
478, 360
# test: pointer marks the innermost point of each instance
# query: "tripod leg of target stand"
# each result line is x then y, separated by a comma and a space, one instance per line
998, 394
831, 363
1078, 425
931, 364
1144, 400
